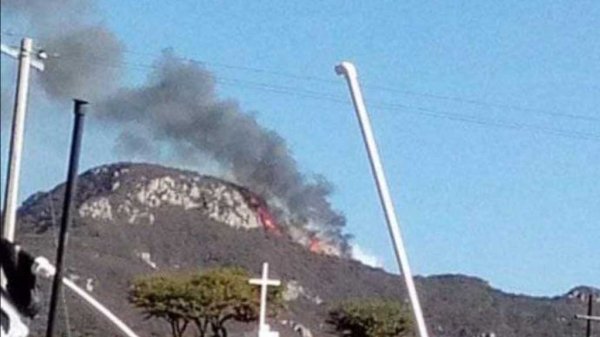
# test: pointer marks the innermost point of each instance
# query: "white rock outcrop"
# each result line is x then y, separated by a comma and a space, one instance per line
137, 205
98, 208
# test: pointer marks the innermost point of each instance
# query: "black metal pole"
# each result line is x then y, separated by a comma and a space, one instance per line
80, 109
590, 313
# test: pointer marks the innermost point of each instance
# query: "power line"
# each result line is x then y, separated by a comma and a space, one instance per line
488, 122
245, 68
9, 32
421, 111
395, 107
416, 110
402, 108
457, 99
487, 104
428, 95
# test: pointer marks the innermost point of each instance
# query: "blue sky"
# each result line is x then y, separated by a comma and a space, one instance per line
511, 204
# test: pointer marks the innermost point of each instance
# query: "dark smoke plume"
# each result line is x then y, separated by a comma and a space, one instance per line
87, 65
84, 58
130, 143
179, 107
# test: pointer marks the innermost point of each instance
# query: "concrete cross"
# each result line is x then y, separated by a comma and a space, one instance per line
264, 282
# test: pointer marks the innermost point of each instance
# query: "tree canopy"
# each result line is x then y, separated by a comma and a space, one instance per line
371, 318
208, 300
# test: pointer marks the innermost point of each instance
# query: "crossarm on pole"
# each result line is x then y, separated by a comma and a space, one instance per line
588, 318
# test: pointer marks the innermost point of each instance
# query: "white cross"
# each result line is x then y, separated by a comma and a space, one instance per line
264, 282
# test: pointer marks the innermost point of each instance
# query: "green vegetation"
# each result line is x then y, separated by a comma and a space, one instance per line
206, 300
371, 318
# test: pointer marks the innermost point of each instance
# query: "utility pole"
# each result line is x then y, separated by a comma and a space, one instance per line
80, 109
589, 317
24, 55
349, 71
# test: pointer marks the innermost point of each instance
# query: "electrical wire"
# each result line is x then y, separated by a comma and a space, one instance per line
394, 107
422, 111
490, 122
487, 104
428, 95
456, 99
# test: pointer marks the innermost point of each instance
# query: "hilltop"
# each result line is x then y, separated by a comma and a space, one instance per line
135, 219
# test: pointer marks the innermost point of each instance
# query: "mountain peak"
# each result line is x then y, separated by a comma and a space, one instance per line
138, 193
582, 293
134, 219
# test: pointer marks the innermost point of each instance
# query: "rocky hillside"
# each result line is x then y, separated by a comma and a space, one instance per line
134, 219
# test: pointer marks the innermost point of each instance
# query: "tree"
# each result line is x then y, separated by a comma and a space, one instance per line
371, 318
208, 300
164, 297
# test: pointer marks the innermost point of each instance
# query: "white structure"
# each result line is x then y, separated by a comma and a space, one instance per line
15, 326
42, 267
264, 330
348, 70
26, 61
588, 318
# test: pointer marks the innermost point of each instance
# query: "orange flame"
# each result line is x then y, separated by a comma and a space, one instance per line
315, 245
267, 220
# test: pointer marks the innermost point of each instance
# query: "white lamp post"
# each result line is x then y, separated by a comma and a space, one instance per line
349, 71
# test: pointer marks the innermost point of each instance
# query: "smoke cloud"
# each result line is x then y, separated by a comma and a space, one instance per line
5, 106
84, 58
130, 143
87, 64
179, 107
178, 110
7, 90
366, 257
